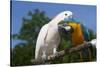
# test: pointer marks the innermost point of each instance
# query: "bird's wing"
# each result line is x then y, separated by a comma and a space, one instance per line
40, 39
85, 32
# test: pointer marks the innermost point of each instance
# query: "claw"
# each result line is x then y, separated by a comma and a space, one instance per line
44, 56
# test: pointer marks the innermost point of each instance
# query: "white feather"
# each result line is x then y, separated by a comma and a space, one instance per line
40, 39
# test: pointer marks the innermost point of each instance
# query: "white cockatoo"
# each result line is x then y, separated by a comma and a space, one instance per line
49, 38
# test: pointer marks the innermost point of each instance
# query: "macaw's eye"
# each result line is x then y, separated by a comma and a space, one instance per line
65, 14
64, 24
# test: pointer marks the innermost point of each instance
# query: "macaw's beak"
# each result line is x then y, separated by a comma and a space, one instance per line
64, 28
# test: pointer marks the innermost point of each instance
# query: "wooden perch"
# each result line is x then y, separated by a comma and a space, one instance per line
63, 52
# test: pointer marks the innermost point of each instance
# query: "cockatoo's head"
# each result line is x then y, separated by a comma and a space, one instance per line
65, 15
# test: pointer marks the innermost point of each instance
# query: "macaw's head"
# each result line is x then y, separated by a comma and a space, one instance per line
64, 29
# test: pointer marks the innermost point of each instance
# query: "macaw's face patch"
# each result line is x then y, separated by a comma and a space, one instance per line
65, 30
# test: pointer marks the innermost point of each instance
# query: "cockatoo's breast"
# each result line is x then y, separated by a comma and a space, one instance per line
54, 35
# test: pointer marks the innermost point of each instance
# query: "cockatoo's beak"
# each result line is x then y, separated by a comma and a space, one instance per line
65, 19
68, 18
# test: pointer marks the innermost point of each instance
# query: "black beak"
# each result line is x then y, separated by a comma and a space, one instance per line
64, 28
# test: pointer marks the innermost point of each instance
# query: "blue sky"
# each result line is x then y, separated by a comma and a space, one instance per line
85, 14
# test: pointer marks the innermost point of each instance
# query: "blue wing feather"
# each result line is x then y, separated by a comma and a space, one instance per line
85, 33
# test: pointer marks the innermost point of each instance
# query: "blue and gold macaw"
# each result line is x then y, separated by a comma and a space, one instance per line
79, 34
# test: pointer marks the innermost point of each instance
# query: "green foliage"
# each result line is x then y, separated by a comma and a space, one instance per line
22, 53
92, 34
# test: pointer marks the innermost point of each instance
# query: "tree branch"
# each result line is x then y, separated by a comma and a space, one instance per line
63, 52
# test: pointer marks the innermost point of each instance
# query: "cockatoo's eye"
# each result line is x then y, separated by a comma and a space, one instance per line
65, 14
